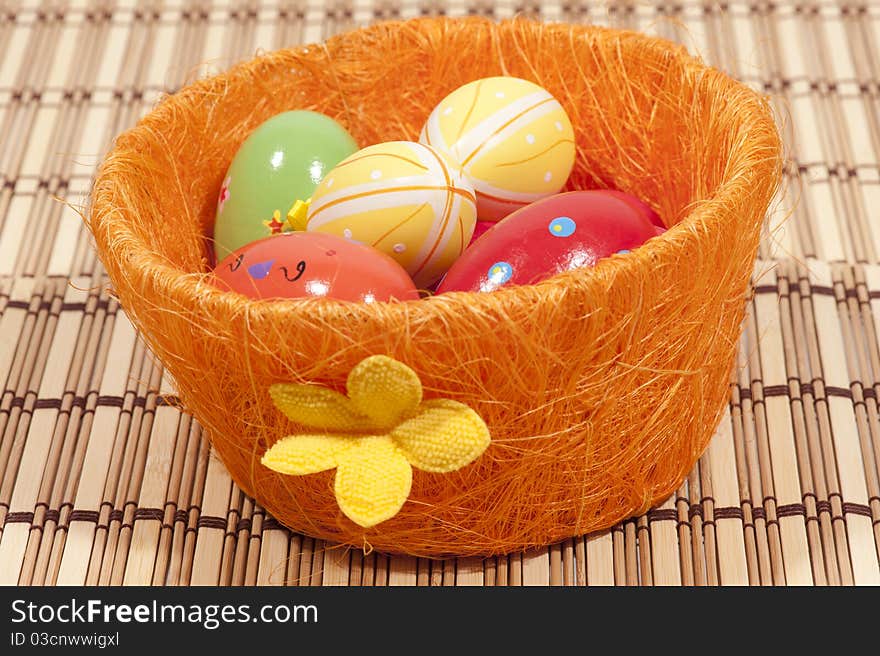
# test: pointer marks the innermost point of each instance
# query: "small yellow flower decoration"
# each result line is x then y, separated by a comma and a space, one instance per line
297, 215
380, 431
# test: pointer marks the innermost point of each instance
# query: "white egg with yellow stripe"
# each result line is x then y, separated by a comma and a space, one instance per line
402, 198
509, 138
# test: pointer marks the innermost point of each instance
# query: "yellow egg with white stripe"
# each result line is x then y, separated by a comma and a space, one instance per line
402, 198
509, 138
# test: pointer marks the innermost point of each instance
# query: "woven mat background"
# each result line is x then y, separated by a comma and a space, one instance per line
102, 483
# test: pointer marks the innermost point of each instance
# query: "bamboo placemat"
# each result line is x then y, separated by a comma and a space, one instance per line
101, 482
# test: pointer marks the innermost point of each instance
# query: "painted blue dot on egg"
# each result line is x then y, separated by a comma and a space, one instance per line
260, 270
500, 273
562, 226
622, 251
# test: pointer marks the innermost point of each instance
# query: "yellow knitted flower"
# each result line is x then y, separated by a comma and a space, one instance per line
381, 430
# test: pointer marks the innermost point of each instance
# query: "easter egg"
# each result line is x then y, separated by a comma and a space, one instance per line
401, 198
480, 229
510, 138
280, 162
640, 205
563, 232
301, 264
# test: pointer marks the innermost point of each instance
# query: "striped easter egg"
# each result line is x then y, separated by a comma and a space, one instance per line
510, 138
402, 198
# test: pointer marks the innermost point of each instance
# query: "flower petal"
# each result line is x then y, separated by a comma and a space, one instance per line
306, 454
318, 407
444, 436
384, 389
373, 480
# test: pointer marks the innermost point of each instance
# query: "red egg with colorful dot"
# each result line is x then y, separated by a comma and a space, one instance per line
640, 205
480, 229
555, 234
313, 265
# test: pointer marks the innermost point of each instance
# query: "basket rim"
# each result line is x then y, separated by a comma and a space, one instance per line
152, 269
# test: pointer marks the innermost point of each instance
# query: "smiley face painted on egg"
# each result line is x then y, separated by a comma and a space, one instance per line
313, 265
556, 234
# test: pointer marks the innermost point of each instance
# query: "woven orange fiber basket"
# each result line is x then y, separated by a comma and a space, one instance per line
601, 387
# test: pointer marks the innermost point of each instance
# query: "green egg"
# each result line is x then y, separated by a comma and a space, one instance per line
282, 161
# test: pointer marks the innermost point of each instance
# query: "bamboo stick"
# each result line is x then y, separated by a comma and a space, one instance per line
757, 459
665, 558
403, 571
844, 433
166, 546
810, 490
336, 568
19, 487
695, 517
273, 557
151, 494
683, 532
469, 571
776, 430
211, 530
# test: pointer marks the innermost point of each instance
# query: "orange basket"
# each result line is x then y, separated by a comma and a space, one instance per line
600, 387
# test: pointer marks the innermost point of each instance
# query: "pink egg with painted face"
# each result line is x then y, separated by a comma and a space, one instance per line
313, 265
555, 234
